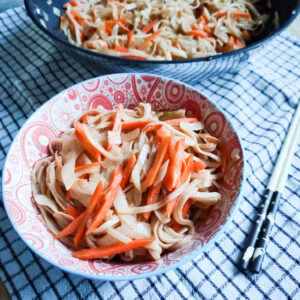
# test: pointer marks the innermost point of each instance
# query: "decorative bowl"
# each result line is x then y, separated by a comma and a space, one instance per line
57, 114
45, 15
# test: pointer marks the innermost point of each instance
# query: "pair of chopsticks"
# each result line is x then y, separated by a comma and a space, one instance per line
256, 245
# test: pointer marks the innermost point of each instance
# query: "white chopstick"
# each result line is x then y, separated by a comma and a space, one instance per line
281, 169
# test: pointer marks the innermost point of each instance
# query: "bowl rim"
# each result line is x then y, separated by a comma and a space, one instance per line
189, 257
241, 51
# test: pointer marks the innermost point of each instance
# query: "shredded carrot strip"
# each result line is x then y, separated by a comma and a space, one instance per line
135, 124
77, 17
210, 138
160, 155
162, 134
122, 26
88, 146
72, 227
153, 127
221, 14
198, 166
230, 42
239, 43
85, 118
246, 35
121, 49
129, 38
178, 121
149, 26
176, 226
198, 33
68, 196
85, 167
127, 171
233, 14
174, 169
152, 196
236, 14
107, 202
184, 176
72, 211
111, 250
108, 29
144, 45
91, 207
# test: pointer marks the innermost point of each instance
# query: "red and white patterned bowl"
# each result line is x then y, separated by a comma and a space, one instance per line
58, 113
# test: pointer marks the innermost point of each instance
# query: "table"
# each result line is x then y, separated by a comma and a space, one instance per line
294, 29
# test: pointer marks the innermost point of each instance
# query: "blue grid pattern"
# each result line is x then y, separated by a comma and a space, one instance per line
260, 99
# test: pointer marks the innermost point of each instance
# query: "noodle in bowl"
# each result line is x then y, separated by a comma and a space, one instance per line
110, 91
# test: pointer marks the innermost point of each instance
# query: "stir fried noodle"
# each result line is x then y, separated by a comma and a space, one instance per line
162, 30
129, 182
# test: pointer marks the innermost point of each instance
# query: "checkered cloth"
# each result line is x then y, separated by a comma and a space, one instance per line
260, 99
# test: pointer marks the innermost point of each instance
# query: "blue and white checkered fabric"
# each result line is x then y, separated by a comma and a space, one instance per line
260, 99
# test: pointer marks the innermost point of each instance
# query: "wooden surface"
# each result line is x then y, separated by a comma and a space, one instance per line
294, 29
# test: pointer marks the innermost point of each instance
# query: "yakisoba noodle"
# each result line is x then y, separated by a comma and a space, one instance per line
129, 182
162, 30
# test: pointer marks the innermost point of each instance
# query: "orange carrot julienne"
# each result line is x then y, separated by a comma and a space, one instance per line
135, 124
144, 45
75, 3
153, 127
183, 178
72, 3
152, 198
220, 14
233, 14
149, 26
122, 26
174, 169
236, 14
129, 38
127, 171
195, 27
72, 211
77, 17
121, 49
239, 43
108, 24
88, 146
85, 167
176, 226
118, 248
245, 34
68, 197
160, 155
72, 227
91, 207
197, 33
85, 118
162, 134
110, 195
210, 138
117, 123
230, 42
178, 121
198, 166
